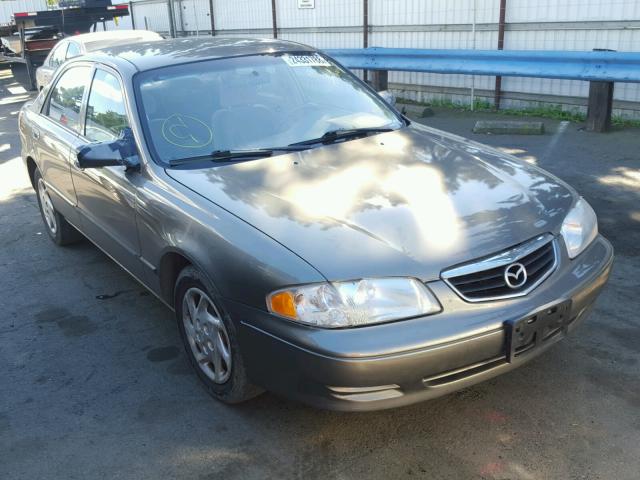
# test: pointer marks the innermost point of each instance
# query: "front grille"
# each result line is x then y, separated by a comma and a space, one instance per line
485, 280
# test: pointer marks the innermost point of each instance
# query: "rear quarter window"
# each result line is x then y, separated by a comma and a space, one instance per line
73, 50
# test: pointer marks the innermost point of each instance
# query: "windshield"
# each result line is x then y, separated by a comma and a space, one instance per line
260, 101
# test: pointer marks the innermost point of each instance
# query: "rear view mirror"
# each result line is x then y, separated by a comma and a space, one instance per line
388, 97
122, 152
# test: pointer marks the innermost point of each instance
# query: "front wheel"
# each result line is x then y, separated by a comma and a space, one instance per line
210, 340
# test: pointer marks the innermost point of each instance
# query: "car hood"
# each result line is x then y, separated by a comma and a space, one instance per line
410, 202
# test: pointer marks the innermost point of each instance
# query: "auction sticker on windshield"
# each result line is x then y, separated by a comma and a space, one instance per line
313, 60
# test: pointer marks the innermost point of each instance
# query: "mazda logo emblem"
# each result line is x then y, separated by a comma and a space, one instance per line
515, 275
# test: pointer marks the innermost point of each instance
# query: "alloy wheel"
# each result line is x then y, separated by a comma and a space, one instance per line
48, 212
207, 335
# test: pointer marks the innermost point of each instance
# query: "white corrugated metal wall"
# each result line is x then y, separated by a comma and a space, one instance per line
436, 24
9, 7
572, 25
539, 24
332, 21
151, 15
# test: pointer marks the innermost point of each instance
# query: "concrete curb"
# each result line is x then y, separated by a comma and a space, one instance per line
508, 127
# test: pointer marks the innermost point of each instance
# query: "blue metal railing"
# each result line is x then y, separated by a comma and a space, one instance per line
589, 66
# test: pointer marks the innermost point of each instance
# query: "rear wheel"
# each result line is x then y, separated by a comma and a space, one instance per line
59, 230
210, 340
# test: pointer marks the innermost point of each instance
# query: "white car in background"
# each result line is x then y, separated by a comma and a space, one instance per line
87, 42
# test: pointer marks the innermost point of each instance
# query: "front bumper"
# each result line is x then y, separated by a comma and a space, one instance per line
404, 362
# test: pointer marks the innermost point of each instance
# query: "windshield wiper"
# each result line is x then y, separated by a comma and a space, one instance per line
226, 155
339, 134
232, 155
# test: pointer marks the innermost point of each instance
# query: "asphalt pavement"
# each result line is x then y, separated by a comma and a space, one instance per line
94, 384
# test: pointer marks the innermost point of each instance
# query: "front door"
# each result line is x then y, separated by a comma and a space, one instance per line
107, 195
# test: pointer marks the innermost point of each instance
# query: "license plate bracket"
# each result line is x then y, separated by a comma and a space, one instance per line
529, 332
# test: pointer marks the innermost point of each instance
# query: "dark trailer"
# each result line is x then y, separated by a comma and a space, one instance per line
39, 31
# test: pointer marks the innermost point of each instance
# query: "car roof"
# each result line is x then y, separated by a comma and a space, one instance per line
150, 55
111, 36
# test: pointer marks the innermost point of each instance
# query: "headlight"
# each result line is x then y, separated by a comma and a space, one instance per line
579, 228
354, 303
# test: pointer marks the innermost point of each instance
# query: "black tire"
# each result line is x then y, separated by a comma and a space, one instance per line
63, 233
237, 387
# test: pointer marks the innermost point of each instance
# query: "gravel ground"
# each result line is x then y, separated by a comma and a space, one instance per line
94, 383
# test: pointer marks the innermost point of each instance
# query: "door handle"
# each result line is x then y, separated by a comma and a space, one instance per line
35, 133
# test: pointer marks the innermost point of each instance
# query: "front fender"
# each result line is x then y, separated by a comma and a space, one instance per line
241, 261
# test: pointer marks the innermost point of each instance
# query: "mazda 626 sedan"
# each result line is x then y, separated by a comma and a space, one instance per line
311, 240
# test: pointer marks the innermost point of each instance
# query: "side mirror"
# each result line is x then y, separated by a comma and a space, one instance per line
122, 152
388, 97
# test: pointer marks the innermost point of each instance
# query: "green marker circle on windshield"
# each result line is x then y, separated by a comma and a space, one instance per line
185, 131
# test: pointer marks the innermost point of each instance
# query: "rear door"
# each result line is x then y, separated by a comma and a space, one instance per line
56, 135
107, 195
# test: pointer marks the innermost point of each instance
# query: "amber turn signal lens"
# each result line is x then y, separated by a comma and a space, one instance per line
283, 304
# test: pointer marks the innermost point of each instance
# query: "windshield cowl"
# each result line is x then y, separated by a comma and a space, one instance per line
236, 155
341, 134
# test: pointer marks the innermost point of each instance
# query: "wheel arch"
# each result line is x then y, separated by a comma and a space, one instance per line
31, 169
172, 262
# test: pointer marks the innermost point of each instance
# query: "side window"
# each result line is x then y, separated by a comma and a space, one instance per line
106, 113
59, 55
73, 50
65, 100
